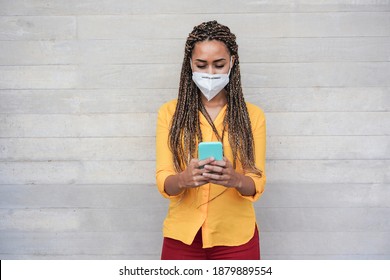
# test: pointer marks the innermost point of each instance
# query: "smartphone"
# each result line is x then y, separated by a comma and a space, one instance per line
210, 149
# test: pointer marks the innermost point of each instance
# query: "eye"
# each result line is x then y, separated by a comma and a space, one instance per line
219, 66
201, 66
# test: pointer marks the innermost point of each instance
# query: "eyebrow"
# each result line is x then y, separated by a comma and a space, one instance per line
204, 61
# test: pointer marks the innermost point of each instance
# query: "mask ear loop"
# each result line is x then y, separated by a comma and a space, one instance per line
231, 65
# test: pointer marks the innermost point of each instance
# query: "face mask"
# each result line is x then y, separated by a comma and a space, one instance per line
210, 84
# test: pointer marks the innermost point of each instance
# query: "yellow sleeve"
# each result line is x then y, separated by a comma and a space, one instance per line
259, 136
164, 159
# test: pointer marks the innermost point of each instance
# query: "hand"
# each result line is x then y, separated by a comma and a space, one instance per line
222, 173
193, 175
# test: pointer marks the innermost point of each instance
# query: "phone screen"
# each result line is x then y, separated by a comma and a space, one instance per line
210, 149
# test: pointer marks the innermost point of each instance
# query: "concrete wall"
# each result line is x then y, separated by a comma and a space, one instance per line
80, 84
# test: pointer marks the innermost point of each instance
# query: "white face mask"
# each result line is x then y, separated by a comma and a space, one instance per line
211, 84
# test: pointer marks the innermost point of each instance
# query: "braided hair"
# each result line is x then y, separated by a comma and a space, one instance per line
185, 130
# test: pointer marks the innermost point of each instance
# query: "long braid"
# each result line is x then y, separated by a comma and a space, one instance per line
185, 130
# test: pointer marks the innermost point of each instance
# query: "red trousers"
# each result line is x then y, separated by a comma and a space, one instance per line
176, 250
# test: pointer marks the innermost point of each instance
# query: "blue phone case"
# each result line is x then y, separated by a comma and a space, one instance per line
210, 149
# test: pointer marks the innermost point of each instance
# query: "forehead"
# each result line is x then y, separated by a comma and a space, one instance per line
210, 49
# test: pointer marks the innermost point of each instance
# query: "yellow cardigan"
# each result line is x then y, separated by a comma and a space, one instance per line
227, 220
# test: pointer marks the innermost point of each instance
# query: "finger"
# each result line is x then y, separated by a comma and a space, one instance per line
212, 168
200, 171
219, 163
200, 179
194, 161
195, 168
205, 161
213, 176
218, 179
227, 161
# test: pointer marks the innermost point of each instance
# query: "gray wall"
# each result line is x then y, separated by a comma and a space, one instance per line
80, 84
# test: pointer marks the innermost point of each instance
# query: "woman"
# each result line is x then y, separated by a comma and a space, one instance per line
211, 214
